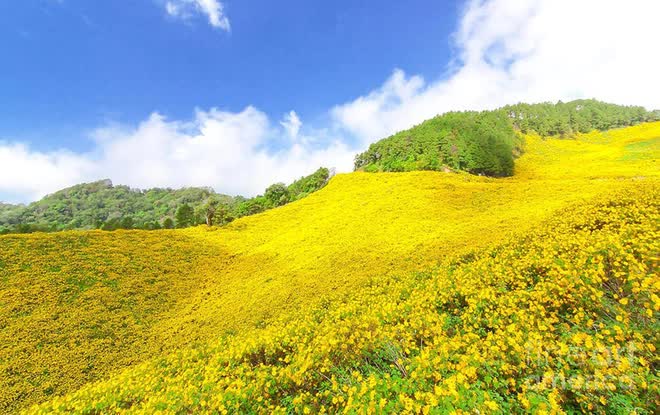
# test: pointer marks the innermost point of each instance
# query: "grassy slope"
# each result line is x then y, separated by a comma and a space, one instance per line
118, 298
562, 320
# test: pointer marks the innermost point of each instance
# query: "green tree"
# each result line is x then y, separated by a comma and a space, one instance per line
210, 209
252, 206
185, 216
152, 225
168, 223
308, 184
111, 224
127, 222
222, 214
277, 195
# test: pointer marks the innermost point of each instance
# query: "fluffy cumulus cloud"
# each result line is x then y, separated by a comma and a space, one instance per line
510, 51
26, 174
506, 51
225, 150
212, 9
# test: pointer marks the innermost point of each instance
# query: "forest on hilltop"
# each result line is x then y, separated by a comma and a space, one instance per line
487, 142
102, 205
564, 119
476, 142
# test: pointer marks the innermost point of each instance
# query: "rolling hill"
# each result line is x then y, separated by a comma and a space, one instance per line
93, 205
102, 205
374, 293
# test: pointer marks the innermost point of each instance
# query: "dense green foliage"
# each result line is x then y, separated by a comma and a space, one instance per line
584, 115
6, 209
279, 194
486, 142
102, 205
185, 216
476, 142
309, 184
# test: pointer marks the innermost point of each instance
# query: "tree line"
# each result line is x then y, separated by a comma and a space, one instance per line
476, 142
487, 142
216, 211
102, 205
580, 116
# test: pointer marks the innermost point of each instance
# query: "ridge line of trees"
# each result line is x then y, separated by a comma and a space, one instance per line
487, 142
101, 205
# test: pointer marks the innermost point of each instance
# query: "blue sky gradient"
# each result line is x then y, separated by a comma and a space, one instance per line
81, 63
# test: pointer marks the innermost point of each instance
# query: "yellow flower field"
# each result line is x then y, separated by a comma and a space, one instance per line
421, 291
564, 319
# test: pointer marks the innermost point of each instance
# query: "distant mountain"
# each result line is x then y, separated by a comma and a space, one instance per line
102, 205
5, 207
93, 205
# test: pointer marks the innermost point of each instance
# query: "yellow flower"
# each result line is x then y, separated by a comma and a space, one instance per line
492, 405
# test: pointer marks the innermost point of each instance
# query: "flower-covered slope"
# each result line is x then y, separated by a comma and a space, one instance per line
76, 307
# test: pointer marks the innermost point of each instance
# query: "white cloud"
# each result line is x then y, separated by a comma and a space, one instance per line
510, 51
224, 150
291, 123
212, 9
172, 9
506, 52
30, 174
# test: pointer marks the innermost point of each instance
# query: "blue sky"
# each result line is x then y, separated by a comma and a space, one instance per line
80, 63
240, 94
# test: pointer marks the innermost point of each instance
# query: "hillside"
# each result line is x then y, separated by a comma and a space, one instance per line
487, 142
102, 205
482, 143
562, 320
476, 142
81, 306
